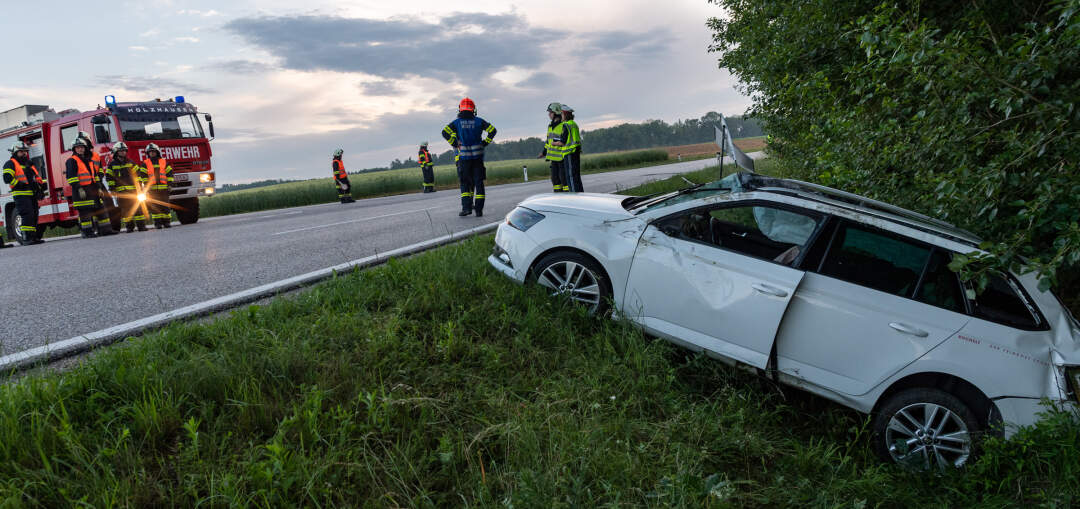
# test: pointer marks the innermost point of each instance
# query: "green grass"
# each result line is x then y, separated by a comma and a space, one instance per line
309, 192
435, 382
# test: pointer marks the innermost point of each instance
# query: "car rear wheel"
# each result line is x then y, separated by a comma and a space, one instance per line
576, 276
926, 429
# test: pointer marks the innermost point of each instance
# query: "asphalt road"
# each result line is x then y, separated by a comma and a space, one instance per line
72, 286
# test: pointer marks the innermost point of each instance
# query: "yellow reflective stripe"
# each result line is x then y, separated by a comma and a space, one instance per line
73, 180
22, 193
465, 195
480, 196
27, 229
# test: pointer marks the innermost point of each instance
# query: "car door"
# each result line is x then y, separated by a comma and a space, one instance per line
872, 304
719, 278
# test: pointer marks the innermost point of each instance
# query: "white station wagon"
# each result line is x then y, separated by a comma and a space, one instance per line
845, 297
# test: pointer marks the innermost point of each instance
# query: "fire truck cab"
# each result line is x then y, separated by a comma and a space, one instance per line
172, 124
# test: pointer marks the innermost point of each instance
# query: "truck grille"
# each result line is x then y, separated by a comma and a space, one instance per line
181, 165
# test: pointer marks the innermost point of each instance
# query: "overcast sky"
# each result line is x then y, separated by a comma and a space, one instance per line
290, 81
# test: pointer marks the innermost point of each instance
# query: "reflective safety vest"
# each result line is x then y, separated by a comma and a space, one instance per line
573, 137
339, 170
22, 181
425, 158
86, 175
554, 133
157, 178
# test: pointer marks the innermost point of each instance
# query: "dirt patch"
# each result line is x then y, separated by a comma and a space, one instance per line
701, 149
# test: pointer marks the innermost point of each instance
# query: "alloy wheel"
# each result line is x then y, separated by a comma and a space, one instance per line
573, 280
927, 435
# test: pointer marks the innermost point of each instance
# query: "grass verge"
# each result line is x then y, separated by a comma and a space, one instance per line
433, 381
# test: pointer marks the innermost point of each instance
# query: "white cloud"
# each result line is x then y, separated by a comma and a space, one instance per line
138, 48
186, 39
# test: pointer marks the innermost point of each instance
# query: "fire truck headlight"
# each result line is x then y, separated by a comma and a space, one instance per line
141, 197
206, 177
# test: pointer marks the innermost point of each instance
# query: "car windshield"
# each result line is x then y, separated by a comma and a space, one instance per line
728, 184
159, 126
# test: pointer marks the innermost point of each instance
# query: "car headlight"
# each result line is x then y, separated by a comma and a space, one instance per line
523, 218
1073, 374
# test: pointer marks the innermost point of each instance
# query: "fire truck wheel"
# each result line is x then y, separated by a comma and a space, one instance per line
12, 227
187, 210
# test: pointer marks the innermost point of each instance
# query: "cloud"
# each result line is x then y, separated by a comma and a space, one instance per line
138, 48
196, 12
460, 46
155, 85
624, 44
241, 67
380, 88
186, 39
539, 80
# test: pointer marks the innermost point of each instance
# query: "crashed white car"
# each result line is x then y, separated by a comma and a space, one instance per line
846, 297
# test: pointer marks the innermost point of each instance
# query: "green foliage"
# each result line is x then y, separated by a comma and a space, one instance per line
434, 381
966, 112
310, 192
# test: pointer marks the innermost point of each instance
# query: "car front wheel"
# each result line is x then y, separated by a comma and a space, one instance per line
576, 276
925, 429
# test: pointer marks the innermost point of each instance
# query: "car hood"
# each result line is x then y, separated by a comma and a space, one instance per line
603, 206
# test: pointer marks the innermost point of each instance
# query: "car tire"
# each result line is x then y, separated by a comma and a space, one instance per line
188, 211
577, 276
926, 429
13, 221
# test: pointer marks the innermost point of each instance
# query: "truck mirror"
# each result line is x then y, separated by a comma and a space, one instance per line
211, 126
207, 117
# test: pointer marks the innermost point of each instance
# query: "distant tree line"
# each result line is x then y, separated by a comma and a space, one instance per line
648, 134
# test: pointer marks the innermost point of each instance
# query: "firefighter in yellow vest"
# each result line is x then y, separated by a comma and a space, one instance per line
427, 168
126, 180
24, 182
85, 189
341, 178
159, 178
554, 146
572, 150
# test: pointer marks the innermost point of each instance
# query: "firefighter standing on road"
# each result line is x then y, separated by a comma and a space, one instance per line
554, 146
109, 212
572, 151
24, 181
126, 179
341, 178
85, 188
426, 167
158, 178
466, 134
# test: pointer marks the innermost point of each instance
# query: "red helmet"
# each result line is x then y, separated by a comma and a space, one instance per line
466, 104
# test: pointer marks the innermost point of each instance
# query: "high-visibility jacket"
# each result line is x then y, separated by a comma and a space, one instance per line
556, 132
159, 176
23, 181
339, 170
467, 134
573, 137
124, 175
424, 158
80, 175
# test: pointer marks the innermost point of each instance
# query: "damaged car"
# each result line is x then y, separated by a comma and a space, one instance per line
845, 297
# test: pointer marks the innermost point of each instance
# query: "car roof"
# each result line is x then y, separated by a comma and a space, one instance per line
857, 203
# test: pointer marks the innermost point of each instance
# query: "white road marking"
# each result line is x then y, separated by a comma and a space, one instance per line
360, 220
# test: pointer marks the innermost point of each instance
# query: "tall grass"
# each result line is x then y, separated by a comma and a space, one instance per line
309, 192
435, 382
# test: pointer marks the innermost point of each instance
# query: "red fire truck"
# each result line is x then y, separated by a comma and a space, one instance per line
172, 124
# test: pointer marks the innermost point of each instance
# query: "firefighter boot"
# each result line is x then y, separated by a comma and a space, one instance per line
129, 226
140, 225
105, 229
88, 233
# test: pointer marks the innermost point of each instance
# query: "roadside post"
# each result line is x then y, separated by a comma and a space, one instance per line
525, 172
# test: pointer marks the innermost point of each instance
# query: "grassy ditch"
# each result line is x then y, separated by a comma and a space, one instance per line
433, 381
309, 192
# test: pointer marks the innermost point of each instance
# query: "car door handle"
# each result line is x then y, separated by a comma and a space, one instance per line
768, 290
907, 329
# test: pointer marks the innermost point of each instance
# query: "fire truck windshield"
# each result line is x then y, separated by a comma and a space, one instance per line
159, 126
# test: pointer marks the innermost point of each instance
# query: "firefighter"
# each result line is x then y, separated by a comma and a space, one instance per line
85, 188
109, 211
466, 134
24, 181
427, 168
341, 178
158, 179
572, 151
553, 148
126, 179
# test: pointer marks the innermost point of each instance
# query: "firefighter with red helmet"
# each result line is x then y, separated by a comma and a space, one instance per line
126, 179
341, 178
159, 178
24, 181
469, 135
85, 190
427, 167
